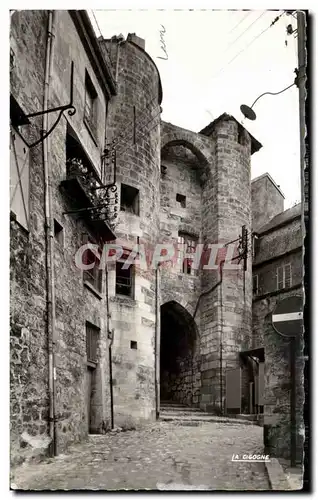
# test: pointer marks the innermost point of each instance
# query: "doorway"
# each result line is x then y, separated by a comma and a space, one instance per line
179, 368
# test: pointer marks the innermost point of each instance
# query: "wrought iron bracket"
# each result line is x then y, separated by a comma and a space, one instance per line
71, 111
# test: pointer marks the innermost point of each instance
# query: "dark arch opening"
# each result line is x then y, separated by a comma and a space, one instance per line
178, 367
188, 154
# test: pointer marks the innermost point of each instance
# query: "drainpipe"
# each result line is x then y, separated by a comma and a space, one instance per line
49, 225
157, 344
221, 337
110, 334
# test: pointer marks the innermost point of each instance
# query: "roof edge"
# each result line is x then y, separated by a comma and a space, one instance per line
255, 144
87, 35
266, 174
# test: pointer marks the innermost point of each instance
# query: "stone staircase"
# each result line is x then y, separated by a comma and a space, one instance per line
171, 411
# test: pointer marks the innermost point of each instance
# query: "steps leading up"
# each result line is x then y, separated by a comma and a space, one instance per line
180, 413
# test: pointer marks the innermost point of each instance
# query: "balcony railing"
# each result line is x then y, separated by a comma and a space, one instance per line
96, 203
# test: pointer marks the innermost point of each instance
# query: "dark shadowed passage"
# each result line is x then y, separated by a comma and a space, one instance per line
178, 366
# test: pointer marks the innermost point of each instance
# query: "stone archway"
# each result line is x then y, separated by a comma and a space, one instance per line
199, 145
179, 367
196, 150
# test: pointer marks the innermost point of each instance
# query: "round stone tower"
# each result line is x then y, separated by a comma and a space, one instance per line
226, 311
133, 130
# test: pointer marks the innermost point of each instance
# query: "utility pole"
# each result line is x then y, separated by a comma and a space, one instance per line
301, 36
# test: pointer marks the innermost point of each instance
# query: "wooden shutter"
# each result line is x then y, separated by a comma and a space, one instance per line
280, 278
287, 273
19, 179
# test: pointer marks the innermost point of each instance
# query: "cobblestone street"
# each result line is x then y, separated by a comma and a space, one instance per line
163, 455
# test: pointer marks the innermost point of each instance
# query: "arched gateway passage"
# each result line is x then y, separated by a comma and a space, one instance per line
179, 379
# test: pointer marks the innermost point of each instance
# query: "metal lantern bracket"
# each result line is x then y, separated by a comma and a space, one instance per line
71, 111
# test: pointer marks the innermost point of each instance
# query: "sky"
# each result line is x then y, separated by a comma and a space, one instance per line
214, 65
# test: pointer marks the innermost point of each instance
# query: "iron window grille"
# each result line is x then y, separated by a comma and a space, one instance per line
187, 243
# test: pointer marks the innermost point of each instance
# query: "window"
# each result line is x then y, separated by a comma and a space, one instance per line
163, 170
284, 276
133, 344
90, 104
92, 276
181, 200
255, 284
254, 245
186, 244
92, 334
129, 199
19, 179
58, 233
241, 135
124, 277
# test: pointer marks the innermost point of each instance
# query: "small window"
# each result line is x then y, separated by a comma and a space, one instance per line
92, 336
163, 170
133, 344
90, 103
255, 245
241, 136
124, 278
255, 284
93, 276
19, 179
181, 200
129, 199
188, 244
283, 275
58, 233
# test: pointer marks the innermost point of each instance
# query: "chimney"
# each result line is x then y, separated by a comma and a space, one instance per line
132, 37
267, 200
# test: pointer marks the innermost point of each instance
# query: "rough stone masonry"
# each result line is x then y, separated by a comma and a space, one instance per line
92, 349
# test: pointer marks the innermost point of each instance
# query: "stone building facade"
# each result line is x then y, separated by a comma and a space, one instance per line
59, 389
100, 346
277, 274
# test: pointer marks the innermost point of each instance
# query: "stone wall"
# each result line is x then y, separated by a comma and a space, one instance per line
75, 303
134, 117
279, 246
267, 200
278, 381
225, 312
29, 396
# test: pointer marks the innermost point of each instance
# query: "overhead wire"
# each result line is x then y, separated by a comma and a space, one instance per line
248, 45
262, 14
240, 22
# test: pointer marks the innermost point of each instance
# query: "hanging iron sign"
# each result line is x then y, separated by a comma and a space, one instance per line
287, 317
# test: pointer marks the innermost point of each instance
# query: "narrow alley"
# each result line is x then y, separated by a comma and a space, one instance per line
161, 456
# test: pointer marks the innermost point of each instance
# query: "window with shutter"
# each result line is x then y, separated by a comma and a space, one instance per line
287, 273
90, 104
284, 276
92, 334
124, 277
280, 278
93, 276
19, 179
